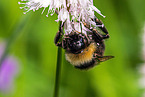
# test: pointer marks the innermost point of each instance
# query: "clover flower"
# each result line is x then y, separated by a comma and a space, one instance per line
8, 70
72, 12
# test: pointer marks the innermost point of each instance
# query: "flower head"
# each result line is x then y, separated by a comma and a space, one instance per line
69, 11
8, 70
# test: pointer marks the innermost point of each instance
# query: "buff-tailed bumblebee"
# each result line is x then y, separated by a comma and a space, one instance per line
81, 50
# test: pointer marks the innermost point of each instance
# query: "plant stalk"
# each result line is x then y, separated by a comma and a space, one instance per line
58, 71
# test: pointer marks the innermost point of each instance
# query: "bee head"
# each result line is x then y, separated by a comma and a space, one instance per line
77, 42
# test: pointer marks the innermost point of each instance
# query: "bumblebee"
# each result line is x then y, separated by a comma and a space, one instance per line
81, 50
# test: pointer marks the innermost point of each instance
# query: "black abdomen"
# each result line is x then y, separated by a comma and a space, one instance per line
87, 65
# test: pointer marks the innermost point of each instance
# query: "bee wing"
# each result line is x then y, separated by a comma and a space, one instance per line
105, 58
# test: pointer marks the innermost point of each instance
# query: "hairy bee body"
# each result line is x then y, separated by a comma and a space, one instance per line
83, 51
84, 59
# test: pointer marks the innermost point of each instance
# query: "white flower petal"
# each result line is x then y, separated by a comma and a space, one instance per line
77, 11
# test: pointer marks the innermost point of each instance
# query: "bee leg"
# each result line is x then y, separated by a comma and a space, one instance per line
99, 22
105, 58
96, 33
102, 58
102, 27
59, 35
64, 44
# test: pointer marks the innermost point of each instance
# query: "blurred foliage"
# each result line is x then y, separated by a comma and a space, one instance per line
35, 49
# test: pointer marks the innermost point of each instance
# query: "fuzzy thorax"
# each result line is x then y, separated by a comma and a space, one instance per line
82, 58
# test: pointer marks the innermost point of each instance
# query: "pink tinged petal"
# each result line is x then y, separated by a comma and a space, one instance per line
9, 69
97, 10
79, 10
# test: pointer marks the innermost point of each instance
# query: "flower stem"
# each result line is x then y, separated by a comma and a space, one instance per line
58, 70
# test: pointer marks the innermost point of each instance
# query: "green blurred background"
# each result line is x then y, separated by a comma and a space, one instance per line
33, 46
